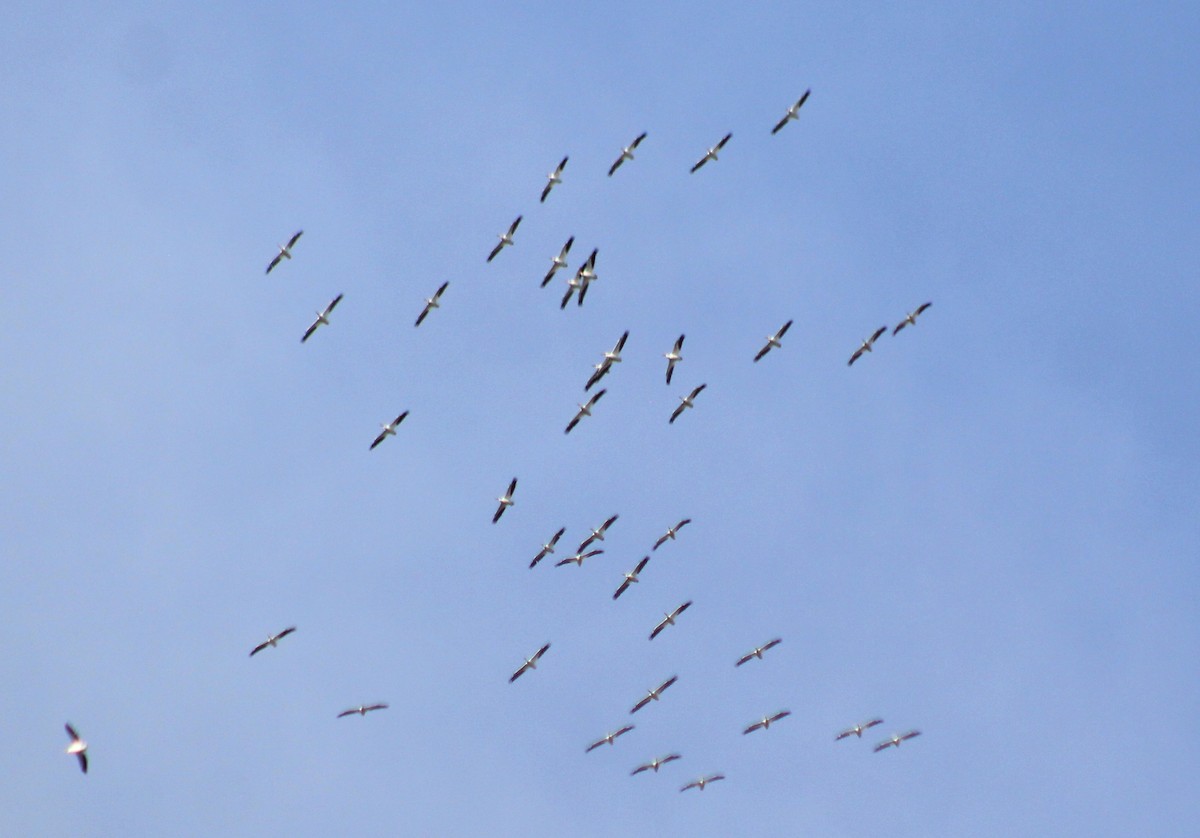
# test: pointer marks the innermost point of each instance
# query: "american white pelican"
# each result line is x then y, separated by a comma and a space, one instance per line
505, 239
548, 547
612, 356
857, 730
626, 153
322, 317
578, 558
866, 345
505, 500
911, 318
896, 740
673, 357
711, 154
361, 710
669, 619
654, 764
765, 721
553, 178
559, 261
285, 250
78, 747
654, 694
530, 663
389, 429
608, 738
431, 303
758, 651
598, 372
773, 341
631, 577
598, 533
792, 113
573, 284
671, 533
701, 782
584, 410
271, 640
685, 402
587, 275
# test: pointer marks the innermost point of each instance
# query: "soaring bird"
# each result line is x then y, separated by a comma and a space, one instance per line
388, 430
673, 357
669, 619
701, 782
671, 533
757, 652
553, 178
608, 738
911, 318
505, 239
857, 730
773, 341
866, 345
548, 547
598, 533
896, 740
584, 410
322, 317
505, 500
685, 402
530, 663
431, 303
765, 721
285, 250
711, 154
271, 640
361, 710
78, 746
612, 356
626, 153
654, 694
598, 372
631, 577
792, 113
578, 558
654, 764
559, 261
587, 275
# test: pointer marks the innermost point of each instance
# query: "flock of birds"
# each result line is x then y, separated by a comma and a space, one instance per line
577, 287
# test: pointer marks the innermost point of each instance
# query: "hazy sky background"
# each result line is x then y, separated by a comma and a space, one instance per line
987, 529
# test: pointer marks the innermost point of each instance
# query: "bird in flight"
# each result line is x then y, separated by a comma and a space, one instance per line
559, 261
271, 640
389, 429
612, 356
911, 318
765, 721
654, 764
711, 154
505, 239
866, 345
505, 500
896, 740
431, 303
669, 619
773, 341
626, 153
792, 113
758, 651
548, 547
530, 663
631, 577
671, 533
608, 739
285, 250
654, 694
553, 178
78, 747
673, 357
578, 558
322, 317
361, 710
598, 533
584, 410
701, 782
857, 730
587, 275
685, 402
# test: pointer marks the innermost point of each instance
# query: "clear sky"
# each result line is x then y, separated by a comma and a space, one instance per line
986, 529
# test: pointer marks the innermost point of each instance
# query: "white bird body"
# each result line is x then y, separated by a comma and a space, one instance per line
858, 729
711, 154
505, 500
792, 113
530, 663
78, 747
285, 250
673, 357
757, 652
626, 153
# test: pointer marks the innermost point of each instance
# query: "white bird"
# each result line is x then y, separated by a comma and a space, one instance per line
573, 284
654, 764
578, 558
654, 694
773, 341
685, 402
530, 663
792, 113
866, 345
598, 372
608, 739
613, 356
598, 533
548, 547
431, 303
271, 640
631, 577
911, 318
701, 782
584, 410
673, 357
765, 721
389, 429
505, 239
757, 652
361, 710
553, 178
626, 153
587, 275
559, 261
671, 533
322, 317
285, 250
711, 154
669, 619
78, 747
505, 500
857, 730
896, 740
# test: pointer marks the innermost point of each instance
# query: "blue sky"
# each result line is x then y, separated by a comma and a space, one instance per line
986, 529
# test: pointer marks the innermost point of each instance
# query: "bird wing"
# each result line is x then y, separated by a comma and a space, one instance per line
519, 672
641, 565
601, 371
621, 343
495, 250
616, 165
922, 307
844, 734
680, 610
82, 756
292, 241
574, 421
762, 352
675, 414
541, 555
773, 643
691, 785
285, 632
640, 769
512, 228
557, 536
546, 190
259, 648
595, 745
657, 629
612, 519
582, 291
800, 102
638, 140
779, 125
899, 326
499, 511
662, 539
724, 140
371, 707
382, 436
670, 370
783, 330
857, 352
640, 704
878, 332
780, 715
424, 313
541, 652
621, 589
622, 731
752, 728
700, 163
883, 745
871, 723
567, 296
562, 562
561, 166
592, 403
437, 295
278, 258
512, 487
678, 344
346, 713
566, 248
744, 658
71, 732
310, 330
910, 734
333, 304
667, 683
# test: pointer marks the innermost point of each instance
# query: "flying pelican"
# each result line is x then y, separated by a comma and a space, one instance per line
674, 357
612, 356
773, 341
431, 303
685, 402
505, 239
792, 113
654, 764
285, 250
388, 430
711, 154
866, 345
78, 747
598, 533
654, 694
587, 275
608, 739
530, 663
322, 317
758, 651
911, 318
896, 740
669, 619
505, 500
572, 284
631, 577
578, 558
553, 178
671, 533
559, 261
626, 153
584, 410
271, 640
362, 710
548, 547
765, 721
703, 781
598, 372
857, 730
